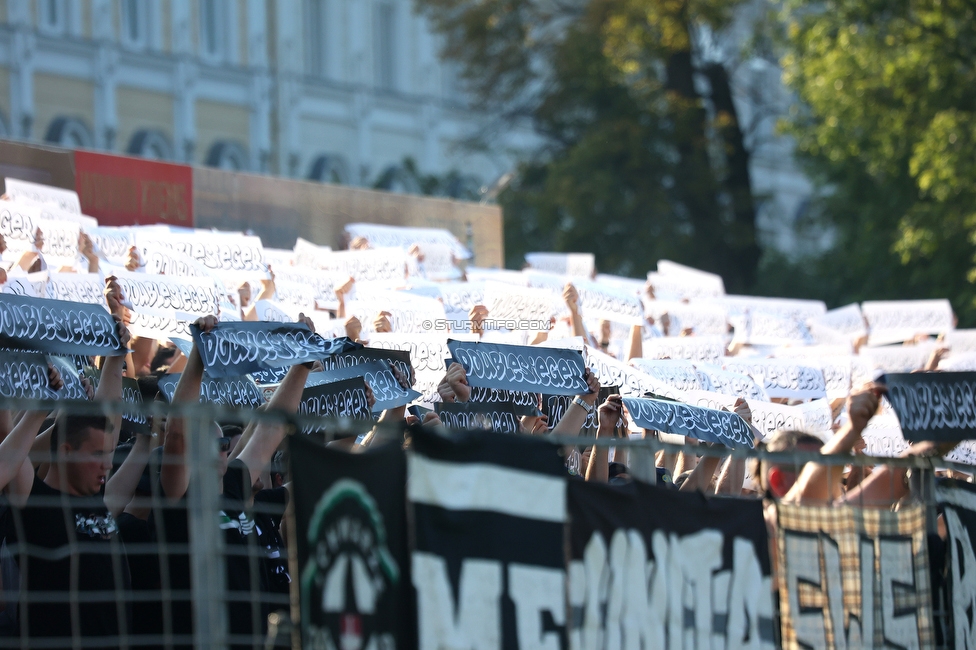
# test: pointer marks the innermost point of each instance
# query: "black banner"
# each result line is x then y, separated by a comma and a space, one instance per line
134, 419
352, 546
958, 500
57, 327
551, 371
238, 348
488, 514
377, 375
399, 359
704, 424
24, 375
229, 391
934, 405
659, 568
340, 399
501, 417
73, 388
554, 407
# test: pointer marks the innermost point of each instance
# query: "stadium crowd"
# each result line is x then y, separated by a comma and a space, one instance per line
95, 514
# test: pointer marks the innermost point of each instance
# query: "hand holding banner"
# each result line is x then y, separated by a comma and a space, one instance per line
234, 349
704, 424
58, 327
532, 369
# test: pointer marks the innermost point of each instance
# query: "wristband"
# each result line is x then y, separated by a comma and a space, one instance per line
586, 407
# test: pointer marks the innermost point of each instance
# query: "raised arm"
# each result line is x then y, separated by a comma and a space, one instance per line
609, 414
121, 487
260, 448
16, 471
575, 416
820, 484
173, 475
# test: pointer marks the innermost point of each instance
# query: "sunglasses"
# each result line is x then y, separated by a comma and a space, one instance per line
223, 444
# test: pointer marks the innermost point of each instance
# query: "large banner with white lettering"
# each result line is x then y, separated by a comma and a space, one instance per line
934, 405
958, 501
57, 327
652, 567
234, 349
488, 514
853, 577
350, 513
552, 371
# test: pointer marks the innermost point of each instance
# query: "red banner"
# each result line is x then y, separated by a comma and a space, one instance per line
123, 191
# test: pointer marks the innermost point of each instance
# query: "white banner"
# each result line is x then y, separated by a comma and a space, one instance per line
306, 253
786, 378
847, 320
164, 307
221, 252
898, 358
682, 287
427, 355
701, 318
894, 321
365, 265
677, 373
76, 287
510, 302
632, 382
381, 236
602, 302
112, 243
577, 265
411, 314
38, 194
714, 379
708, 349
60, 242
711, 281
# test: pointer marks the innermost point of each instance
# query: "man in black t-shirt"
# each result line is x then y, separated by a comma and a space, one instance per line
63, 536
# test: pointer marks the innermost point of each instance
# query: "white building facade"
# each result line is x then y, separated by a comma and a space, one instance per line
331, 90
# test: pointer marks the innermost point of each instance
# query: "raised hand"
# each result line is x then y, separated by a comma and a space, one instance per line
609, 414
863, 404
571, 297
382, 323
206, 324
457, 379
54, 380
354, 328
594, 388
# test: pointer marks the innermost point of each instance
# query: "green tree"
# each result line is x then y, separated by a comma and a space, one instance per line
887, 128
635, 164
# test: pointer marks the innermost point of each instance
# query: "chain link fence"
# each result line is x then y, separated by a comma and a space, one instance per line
214, 567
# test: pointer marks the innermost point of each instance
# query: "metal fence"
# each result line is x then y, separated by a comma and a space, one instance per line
171, 588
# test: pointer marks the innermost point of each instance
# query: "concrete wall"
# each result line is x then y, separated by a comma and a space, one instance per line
282, 210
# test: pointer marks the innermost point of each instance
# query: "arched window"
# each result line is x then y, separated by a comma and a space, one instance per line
228, 155
152, 144
70, 132
396, 178
329, 168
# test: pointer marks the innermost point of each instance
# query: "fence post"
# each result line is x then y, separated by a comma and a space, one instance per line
206, 543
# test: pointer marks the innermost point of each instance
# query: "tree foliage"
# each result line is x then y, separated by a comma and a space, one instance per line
888, 129
635, 163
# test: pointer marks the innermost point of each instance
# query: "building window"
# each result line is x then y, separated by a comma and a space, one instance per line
70, 132
385, 45
135, 24
228, 155
211, 29
330, 168
51, 18
316, 19
152, 144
